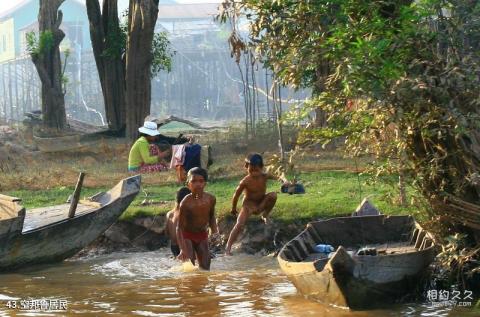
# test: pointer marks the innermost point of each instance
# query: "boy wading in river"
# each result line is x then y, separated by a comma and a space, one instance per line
172, 221
197, 213
256, 200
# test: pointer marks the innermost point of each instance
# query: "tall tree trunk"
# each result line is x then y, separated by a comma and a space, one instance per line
321, 73
48, 65
142, 17
104, 30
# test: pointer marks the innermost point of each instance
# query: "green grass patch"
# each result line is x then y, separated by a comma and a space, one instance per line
328, 193
48, 197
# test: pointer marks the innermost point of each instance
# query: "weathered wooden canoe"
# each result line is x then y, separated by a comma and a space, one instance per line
69, 142
80, 134
46, 235
161, 121
404, 251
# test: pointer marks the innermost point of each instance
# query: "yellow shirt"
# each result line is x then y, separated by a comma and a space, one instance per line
140, 154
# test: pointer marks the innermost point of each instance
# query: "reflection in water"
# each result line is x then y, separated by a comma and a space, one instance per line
153, 284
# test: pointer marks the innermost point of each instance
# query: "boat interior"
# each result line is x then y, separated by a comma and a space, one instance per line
385, 235
40, 217
11, 207
44, 216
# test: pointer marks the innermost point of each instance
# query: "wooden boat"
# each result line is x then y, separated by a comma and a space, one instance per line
68, 142
161, 121
47, 235
343, 278
79, 135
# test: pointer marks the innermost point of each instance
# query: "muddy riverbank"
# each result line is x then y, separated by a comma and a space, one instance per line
146, 233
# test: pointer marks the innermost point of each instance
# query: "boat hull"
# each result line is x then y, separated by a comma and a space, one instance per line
60, 240
357, 282
69, 142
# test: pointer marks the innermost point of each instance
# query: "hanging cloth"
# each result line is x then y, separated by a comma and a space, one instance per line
192, 156
178, 155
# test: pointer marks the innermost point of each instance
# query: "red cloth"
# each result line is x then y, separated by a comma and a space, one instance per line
153, 168
196, 237
153, 149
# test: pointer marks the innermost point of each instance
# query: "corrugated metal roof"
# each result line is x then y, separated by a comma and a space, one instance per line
187, 11
7, 14
165, 11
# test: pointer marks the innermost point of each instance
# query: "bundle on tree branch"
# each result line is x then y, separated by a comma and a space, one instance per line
463, 211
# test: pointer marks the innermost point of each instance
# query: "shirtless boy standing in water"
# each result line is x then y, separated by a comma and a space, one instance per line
197, 213
256, 200
172, 221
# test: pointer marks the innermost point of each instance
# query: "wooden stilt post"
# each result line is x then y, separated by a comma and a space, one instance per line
76, 195
3, 109
10, 100
18, 115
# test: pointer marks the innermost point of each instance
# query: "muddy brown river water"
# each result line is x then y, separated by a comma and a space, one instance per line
153, 284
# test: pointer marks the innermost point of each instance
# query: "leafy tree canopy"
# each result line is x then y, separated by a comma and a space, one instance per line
161, 49
401, 84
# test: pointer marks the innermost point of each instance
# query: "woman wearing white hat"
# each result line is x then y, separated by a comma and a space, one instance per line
141, 158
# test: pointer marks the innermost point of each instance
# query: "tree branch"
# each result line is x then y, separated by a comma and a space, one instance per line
59, 19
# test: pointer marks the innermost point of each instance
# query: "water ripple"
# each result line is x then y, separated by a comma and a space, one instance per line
154, 284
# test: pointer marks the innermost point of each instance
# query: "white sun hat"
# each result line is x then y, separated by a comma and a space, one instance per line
149, 128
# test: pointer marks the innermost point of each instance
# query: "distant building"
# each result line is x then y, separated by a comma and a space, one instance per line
205, 82
19, 20
187, 18
187, 12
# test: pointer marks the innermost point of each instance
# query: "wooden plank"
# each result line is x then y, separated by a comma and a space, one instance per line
76, 195
44, 216
300, 248
419, 240
9, 198
414, 235
313, 233
90, 203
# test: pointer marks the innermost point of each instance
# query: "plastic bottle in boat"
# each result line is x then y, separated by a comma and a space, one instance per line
324, 248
